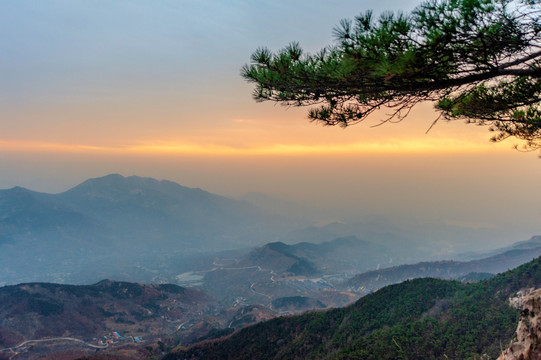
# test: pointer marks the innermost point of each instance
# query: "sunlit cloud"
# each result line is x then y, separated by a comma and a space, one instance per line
389, 146
242, 121
30, 146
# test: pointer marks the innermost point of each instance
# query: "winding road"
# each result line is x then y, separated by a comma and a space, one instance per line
27, 342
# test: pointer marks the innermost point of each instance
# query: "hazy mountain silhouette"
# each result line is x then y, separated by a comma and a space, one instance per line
145, 208
342, 254
114, 219
28, 214
505, 259
532, 243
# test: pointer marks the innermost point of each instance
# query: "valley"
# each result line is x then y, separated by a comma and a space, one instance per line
171, 287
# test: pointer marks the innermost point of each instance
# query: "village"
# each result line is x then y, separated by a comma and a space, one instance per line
115, 338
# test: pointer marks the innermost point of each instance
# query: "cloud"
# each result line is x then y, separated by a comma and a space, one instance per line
389, 146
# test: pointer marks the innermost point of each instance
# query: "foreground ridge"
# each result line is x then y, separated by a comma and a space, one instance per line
527, 341
420, 319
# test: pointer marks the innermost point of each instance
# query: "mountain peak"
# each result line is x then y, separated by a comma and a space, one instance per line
18, 190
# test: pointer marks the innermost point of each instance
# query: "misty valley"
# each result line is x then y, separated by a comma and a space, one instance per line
132, 267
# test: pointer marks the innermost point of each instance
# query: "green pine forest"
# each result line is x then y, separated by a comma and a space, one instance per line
418, 319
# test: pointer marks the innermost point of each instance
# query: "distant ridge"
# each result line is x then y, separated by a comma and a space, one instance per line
512, 257
532, 243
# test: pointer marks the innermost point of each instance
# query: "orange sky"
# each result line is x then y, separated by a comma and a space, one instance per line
273, 131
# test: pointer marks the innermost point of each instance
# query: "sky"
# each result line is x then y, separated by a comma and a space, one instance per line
89, 88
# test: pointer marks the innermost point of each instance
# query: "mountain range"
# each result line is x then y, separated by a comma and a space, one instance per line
141, 229
422, 318
245, 264
407, 319
417, 319
507, 258
116, 222
335, 273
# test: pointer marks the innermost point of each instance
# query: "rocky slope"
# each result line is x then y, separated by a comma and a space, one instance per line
527, 341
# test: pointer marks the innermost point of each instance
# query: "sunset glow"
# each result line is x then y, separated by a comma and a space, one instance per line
389, 146
154, 89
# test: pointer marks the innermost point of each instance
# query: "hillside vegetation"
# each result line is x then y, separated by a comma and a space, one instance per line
418, 319
40, 310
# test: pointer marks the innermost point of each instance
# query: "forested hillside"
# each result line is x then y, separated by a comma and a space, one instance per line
419, 319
